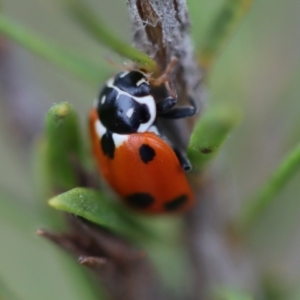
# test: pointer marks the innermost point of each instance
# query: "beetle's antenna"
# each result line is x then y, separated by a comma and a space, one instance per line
164, 77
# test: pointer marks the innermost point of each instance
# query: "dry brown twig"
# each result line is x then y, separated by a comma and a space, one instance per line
124, 270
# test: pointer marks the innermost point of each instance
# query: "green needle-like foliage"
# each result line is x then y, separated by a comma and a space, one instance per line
210, 133
66, 60
93, 24
256, 206
222, 27
97, 208
62, 147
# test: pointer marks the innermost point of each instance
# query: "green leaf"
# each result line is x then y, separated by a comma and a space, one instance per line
223, 26
66, 60
210, 133
93, 24
97, 208
261, 200
231, 294
62, 147
58, 159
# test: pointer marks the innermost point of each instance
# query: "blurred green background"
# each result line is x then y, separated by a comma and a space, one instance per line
259, 71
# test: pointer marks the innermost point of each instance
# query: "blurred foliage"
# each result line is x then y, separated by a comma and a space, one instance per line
254, 72
5, 292
63, 148
222, 27
267, 193
231, 294
210, 133
65, 59
93, 24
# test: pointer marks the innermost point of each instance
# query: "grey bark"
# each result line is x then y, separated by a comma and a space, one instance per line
161, 29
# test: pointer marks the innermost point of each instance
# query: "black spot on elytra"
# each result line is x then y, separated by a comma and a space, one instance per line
108, 145
147, 153
176, 203
140, 200
206, 150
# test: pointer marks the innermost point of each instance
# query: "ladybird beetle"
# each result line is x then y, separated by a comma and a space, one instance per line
135, 159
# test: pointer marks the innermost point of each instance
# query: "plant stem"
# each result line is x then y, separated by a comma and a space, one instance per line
223, 26
66, 60
256, 206
104, 35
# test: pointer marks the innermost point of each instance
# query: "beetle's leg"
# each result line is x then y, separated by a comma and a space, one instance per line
184, 161
180, 112
165, 105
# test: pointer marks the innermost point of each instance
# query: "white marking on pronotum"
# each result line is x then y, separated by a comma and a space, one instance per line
103, 99
141, 81
100, 129
129, 112
148, 100
119, 139
123, 74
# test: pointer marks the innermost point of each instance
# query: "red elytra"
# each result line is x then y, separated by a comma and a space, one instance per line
150, 181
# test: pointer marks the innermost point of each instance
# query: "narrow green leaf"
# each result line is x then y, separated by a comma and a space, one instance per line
62, 148
93, 24
223, 26
97, 208
59, 153
210, 133
261, 200
66, 60
231, 294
